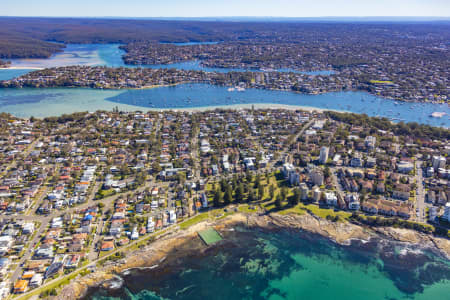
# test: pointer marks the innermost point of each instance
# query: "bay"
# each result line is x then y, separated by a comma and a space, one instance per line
259, 264
6, 74
110, 55
45, 102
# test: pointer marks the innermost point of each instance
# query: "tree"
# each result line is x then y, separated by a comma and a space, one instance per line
181, 178
272, 191
251, 196
218, 198
260, 192
278, 200
239, 193
284, 193
257, 182
223, 184
228, 196
326, 172
296, 198
156, 168
248, 176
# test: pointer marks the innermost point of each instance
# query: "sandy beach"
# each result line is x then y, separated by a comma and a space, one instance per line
20, 68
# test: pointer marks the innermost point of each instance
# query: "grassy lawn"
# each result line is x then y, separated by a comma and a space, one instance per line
293, 210
324, 212
246, 208
106, 193
56, 284
302, 208
197, 219
381, 82
225, 215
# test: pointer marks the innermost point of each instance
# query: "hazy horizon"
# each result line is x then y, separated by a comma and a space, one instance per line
228, 9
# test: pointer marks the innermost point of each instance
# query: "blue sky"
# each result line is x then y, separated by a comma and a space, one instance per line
204, 8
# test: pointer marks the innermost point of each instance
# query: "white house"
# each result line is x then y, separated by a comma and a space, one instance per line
330, 198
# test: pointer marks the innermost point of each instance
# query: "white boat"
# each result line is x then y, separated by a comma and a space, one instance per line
231, 89
240, 89
438, 114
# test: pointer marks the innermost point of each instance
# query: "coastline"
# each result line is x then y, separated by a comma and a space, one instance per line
21, 68
153, 254
247, 106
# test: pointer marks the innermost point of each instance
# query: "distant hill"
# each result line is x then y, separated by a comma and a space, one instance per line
26, 37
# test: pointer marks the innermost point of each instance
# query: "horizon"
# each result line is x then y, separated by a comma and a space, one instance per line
231, 9
274, 19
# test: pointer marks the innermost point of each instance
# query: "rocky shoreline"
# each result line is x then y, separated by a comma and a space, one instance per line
152, 255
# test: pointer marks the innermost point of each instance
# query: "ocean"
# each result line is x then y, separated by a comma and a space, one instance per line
285, 264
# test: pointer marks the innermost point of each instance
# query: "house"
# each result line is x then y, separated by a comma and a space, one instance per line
107, 246
20, 286
53, 269
330, 199
401, 191
352, 201
204, 200
150, 225
304, 191
405, 166
316, 177
370, 207
356, 161
6, 242
4, 265
438, 162
72, 261
36, 280
371, 162
446, 215
172, 216
370, 142
44, 252
431, 196
323, 157
381, 188
215, 169
386, 207
432, 214
249, 163
134, 234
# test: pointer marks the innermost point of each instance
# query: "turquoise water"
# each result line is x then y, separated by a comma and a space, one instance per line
111, 55
56, 101
282, 265
6, 74
73, 54
76, 54
46, 102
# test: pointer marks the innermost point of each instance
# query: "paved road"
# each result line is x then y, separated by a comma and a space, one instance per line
336, 182
167, 230
24, 154
420, 193
28, 252
45, 221
288, 146
109, 202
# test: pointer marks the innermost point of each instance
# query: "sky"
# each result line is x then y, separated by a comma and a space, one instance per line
224, 8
